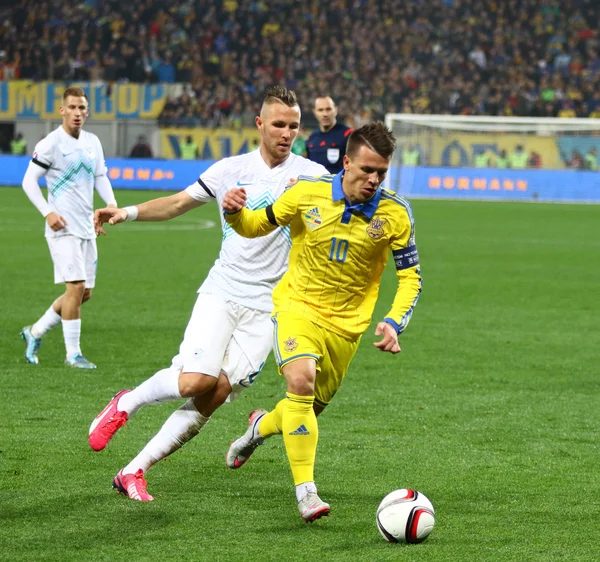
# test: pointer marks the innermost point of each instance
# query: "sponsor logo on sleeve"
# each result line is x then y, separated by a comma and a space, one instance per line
406, 258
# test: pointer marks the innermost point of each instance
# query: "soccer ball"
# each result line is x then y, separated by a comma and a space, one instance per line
405, 516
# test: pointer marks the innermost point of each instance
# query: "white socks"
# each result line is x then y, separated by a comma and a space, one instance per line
71, 330
49, 320
161, 387
72, 334
183, 425
305, 488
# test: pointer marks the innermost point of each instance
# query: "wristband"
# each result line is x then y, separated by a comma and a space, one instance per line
132, 213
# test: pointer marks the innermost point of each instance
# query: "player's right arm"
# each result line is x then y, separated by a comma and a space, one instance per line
39, 165
261, 222
162, 208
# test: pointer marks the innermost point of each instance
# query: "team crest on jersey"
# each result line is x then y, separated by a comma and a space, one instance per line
290, 344
375, 228
313, 218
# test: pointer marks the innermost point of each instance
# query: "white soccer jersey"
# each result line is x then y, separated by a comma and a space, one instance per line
71, 168
247, 270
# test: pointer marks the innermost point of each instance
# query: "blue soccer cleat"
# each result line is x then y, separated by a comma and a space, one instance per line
32, 345
79, 362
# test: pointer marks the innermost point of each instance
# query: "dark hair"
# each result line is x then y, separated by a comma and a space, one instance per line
75, 92
374, 135
275, 94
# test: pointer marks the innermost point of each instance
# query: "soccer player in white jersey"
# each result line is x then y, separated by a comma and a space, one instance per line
228, 337
73, 162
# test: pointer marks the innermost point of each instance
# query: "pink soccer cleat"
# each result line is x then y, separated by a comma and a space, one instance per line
107, 423
133, 486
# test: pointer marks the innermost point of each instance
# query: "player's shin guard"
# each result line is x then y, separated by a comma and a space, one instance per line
271, 422
300, 435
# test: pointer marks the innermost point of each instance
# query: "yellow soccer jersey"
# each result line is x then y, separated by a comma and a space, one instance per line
339, 252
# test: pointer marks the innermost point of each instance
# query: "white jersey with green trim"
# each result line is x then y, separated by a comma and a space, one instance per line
71, 168
248, 269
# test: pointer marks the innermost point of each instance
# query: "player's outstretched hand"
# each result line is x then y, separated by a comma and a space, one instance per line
390, 338
234, 200
111, 215
55, 221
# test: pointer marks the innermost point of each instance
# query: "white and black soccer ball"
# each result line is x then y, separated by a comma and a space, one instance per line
405, 516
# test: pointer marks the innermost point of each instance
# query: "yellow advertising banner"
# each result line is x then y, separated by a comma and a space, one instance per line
212, 144
440, 148
22, 99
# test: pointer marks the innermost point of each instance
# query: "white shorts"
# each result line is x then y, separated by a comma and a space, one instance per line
75, 259
223, 336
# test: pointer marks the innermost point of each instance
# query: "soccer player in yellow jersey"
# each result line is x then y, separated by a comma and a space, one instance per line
342, 229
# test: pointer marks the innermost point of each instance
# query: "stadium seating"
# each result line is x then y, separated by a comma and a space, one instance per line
532, 57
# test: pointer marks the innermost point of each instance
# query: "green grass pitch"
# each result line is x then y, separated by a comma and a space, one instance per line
491, 409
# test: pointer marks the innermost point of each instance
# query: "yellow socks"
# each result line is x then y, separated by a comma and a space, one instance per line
295, 418
300, 435
271, 422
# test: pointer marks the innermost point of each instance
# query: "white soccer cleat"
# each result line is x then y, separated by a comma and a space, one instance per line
312, 507
241, 449
79, 362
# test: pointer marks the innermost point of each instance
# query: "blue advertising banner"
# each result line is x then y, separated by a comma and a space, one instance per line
123, 173
443, 183
578, 186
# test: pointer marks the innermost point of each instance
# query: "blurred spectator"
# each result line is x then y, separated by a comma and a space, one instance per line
518, 158
410, 156
188, 148
576, 160
535, 160
480, 159
165, 69
18, 145
141, 149
532, 57
591, 159
502, 160
567, 110
299, 146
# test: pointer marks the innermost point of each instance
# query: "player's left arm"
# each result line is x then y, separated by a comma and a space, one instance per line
101, 181
253, 224
406, 259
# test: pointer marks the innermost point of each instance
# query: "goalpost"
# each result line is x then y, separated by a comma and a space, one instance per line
459, 156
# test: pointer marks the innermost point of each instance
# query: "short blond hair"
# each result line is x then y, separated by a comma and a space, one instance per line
75, 92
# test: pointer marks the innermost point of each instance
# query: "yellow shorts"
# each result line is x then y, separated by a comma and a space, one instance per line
295, 337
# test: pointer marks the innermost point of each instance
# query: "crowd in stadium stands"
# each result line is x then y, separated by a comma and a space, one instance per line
480, 57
